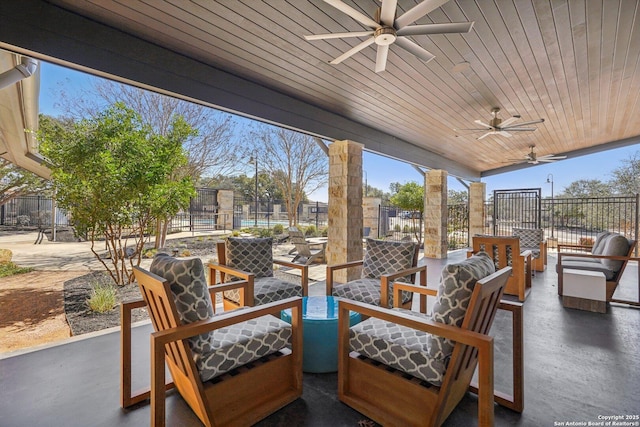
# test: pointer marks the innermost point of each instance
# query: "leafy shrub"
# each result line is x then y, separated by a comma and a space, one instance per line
278, 229
235, 233
10, 269
150, 253
185, 252
103, 297
311, 231
406, 229
585, 241
324, 231
397, 228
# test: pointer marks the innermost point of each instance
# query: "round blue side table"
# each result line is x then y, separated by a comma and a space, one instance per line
320, 333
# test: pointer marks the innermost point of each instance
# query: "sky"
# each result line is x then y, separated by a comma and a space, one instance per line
381, 171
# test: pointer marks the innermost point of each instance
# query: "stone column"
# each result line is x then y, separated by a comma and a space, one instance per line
225, 209
370, 210
345, 207
435, 214
477, 194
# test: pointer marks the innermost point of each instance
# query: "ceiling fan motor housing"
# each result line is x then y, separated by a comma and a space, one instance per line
384, 36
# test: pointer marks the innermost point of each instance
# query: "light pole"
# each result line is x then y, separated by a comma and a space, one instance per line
254, 159
550, 180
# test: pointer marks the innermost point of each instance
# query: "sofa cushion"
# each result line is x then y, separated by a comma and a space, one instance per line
189, 287
456, 286
251, 255
600, 242
241, 343
387, 257
267, 289
616, 245
368, 291
591, 266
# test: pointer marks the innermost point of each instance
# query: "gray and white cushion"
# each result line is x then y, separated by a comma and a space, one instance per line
224, 349
252, 255
368, 291
456, 286
414, 352
267, 289
188, 284
242, 343
530, 239
387, 257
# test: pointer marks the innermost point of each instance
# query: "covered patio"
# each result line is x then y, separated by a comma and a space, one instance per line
578, 366
572, 63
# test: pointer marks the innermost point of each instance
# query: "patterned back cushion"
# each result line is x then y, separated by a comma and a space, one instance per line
387, 257
530, 238
251, 255
454, 293
189, 287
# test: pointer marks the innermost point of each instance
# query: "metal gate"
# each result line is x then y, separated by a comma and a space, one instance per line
516, 208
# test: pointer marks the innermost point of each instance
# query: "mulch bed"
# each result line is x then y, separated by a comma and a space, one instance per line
76, 291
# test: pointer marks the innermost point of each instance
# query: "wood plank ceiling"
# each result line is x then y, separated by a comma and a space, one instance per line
574, 63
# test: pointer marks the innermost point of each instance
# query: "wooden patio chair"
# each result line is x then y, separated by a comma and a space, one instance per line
385, 261
533, 239
609, 255
506, 252
212, 358
383, 383
252, 260
310, 252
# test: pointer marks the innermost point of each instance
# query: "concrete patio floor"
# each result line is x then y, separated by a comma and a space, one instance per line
579, 366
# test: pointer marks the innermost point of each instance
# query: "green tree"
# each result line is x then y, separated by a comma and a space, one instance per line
117, 177
584, 188
455, 197
410, 197
626, 178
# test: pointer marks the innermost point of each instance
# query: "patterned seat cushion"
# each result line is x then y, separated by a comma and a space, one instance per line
414, 352
251, 255
189, 287
367, 291
242, 343
400, 347
267, 289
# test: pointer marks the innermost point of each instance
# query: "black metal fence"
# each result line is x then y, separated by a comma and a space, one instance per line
32, 212
265, 213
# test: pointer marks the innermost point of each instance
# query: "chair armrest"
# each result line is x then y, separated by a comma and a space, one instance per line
565, 246
332, 268
246, 277
223, 269
387, 279
226, 319
304, 276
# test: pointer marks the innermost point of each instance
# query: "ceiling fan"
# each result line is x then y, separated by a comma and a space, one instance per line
386, 30
497, 126
532, 158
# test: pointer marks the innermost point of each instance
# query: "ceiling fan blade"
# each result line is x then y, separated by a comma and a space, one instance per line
481, 123
417, 12
508, 121
363, 19
352, 51
531, 122
338, 35
517, 129
477, 129
503, 133
486, 134
452, 28
551, 157
381, 58
414, 49
388, 12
